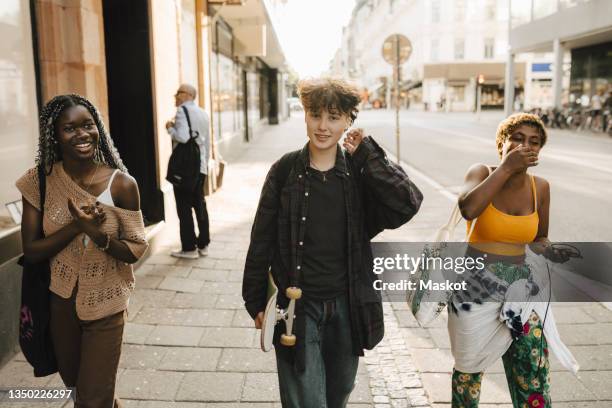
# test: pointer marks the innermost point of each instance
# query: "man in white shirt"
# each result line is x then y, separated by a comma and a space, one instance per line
178, 129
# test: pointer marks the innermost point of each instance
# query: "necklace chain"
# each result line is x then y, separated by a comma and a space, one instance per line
92, 177
324, 173
86, 188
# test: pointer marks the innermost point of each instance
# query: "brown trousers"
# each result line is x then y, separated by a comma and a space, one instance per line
87, 353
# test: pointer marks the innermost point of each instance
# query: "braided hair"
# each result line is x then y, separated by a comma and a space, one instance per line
49, 151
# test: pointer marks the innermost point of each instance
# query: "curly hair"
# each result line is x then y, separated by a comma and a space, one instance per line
511, 123
49, 151
329, 94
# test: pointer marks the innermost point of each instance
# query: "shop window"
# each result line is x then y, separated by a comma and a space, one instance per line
252, 99
18, 108
226, 85
239, 99
222, 40
458, 93
591, 72
492, 96
225, 97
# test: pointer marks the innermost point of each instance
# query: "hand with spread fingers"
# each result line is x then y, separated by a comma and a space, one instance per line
352, 140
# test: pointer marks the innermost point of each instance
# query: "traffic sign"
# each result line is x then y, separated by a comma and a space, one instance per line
396, 49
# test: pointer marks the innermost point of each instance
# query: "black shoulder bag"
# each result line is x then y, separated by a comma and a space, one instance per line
184, 163
34, 316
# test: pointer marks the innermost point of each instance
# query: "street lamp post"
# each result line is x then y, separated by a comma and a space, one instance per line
480, 81
397, 95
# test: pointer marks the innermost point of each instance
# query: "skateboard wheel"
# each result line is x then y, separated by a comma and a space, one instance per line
293, 292
287, 339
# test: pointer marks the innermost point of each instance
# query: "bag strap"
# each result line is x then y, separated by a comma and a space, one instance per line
284, 168
191, 136
455, 218
42, 188
471, 231
473, 223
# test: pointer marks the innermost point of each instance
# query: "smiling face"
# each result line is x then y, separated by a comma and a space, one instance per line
325, 128
525, 135
77, 133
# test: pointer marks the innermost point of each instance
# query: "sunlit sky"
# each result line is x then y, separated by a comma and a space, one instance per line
310, 32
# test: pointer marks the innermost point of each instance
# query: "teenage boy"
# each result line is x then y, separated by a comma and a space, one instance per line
319, 208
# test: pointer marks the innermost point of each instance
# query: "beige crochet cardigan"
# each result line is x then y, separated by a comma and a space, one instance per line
104, 283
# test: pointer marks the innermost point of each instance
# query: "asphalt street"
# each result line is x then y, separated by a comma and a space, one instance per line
443, 146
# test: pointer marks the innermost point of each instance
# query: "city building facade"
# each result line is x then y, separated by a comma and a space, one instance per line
577, 35
453, 43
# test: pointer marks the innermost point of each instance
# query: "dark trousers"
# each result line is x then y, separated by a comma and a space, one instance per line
87, 353
185, 201
330, 365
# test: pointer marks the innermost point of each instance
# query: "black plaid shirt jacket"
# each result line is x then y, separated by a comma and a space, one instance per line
378, 195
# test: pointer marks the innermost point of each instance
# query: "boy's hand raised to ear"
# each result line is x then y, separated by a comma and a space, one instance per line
352, 140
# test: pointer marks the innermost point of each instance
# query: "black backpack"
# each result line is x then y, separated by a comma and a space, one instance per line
184, 163
34, 315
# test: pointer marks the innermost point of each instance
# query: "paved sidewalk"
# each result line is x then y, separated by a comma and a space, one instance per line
190, 344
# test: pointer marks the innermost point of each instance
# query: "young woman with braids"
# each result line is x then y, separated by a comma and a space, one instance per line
93, 232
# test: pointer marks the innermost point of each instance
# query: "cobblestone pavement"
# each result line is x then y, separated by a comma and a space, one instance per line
190, 344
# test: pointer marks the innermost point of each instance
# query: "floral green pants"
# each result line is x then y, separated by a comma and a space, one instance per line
527, 371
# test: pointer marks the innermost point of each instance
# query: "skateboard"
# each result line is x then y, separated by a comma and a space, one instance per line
273, 314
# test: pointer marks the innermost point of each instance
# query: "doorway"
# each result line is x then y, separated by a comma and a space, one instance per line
130, 97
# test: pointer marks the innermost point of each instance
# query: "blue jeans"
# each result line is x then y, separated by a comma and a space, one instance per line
330, 365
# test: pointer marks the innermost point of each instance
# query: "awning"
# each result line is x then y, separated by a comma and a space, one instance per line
253, 32
409, 85
492, 71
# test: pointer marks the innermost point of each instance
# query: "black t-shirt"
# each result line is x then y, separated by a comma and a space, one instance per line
324, 262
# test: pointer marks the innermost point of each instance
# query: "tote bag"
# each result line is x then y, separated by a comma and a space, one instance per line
34, 330
426, 306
